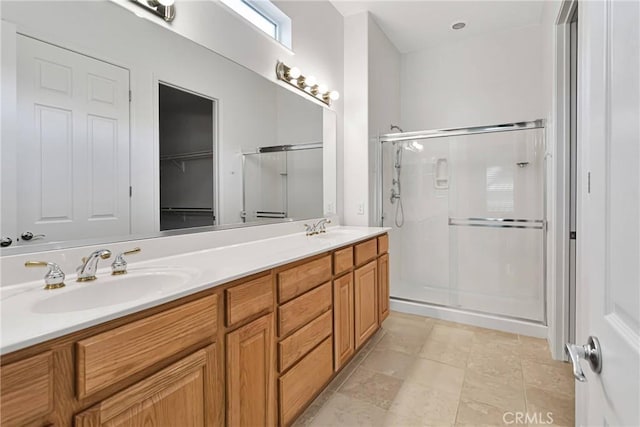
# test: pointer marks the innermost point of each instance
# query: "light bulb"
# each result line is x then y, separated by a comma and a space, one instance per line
322, 88
334, 95
166, 3
294, 73
310, 81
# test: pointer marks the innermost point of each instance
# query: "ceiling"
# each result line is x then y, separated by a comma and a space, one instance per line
416, 25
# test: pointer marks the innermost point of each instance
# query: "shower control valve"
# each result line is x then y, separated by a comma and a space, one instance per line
394, 196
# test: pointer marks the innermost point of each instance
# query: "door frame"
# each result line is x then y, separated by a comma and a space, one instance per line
559, 251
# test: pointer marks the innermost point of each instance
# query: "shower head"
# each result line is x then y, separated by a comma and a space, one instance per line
394, 127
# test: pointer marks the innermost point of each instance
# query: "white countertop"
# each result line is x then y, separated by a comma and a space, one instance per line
26, 319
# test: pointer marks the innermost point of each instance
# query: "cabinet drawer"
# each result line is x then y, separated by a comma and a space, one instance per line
112, 356
383, 244
297, 280
304, 381
291, 349
175, 396
342, 260
301, 310
248, 299
366, 251
27, 390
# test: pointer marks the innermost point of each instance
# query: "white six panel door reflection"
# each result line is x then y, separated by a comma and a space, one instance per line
608, 282
73, 144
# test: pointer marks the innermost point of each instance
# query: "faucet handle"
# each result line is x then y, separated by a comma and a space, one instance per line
310, 229
119, 265
54, 278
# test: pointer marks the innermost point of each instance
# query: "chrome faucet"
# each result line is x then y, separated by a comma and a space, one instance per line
87, 271
317, 228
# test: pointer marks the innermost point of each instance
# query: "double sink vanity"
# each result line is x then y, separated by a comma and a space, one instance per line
246, 334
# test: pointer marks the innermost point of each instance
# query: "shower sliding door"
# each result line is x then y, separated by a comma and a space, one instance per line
420, 246
473, 231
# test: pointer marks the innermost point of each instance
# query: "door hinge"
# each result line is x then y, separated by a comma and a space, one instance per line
588, 182
130, 191
129, 96
572, 235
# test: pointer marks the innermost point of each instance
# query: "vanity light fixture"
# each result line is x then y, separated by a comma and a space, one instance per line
293, 76
165, 9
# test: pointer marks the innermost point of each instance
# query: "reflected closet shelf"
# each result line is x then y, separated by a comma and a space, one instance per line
187, 210
188, 156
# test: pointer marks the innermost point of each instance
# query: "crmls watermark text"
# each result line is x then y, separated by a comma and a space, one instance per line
527, 418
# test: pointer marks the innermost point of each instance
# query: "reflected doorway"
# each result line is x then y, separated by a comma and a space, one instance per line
187, 134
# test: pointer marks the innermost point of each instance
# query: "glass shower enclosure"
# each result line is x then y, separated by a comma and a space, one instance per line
467, 208
283, 181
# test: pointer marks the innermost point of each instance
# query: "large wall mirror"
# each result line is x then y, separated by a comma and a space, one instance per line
115, 128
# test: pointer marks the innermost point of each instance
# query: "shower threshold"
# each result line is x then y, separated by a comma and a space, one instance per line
470, 317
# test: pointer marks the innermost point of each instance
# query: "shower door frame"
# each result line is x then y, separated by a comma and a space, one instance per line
449, 132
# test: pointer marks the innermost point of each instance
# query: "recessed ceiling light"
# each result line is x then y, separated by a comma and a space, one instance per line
458, 25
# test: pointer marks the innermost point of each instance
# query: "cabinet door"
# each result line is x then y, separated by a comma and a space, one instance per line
366, 301
343, 319
251, 374
183, 394
383, 287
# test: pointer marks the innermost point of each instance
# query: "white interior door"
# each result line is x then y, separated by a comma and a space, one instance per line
608, 282
73, 144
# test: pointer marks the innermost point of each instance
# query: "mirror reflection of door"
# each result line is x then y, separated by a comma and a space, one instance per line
73, 144
187, 142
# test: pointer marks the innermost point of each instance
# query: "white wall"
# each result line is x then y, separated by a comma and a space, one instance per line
372, 103
356, 119
489, 79
384, 104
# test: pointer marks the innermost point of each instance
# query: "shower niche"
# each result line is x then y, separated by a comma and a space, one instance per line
187, 131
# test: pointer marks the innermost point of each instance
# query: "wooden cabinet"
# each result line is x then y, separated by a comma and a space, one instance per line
342, 260
299, 279
107, 358
303, 309
383, 287
27, 390
366, 302
251, 399
383, 244
366, 251
292, 348
343, 320
230, 355
249, 299
304, 381
178, 395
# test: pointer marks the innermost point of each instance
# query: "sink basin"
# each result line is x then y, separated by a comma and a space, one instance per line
112, 290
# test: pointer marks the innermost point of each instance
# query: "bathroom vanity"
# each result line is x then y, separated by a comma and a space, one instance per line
252, 351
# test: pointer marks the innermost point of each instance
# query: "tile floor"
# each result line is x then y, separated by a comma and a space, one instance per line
420, 371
